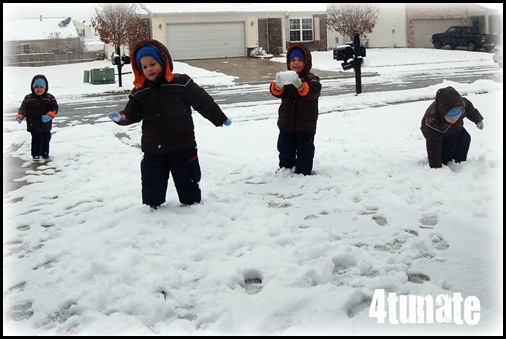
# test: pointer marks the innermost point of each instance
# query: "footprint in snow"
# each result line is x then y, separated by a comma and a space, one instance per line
429, 221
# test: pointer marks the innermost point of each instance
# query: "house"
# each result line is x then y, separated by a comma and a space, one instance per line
91, 41
45, 41
219, 30
423, 20
232, 30
40, 35
412, 24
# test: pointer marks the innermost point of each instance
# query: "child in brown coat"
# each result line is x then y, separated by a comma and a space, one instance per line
443, 127
299, 90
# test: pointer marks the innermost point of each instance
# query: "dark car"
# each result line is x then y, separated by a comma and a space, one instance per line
466, 36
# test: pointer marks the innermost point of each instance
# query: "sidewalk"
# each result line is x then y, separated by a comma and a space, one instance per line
251, 70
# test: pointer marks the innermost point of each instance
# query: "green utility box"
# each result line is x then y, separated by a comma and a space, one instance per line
100, 76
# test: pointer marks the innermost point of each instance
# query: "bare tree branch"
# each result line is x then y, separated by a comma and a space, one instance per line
352, 18
119, 24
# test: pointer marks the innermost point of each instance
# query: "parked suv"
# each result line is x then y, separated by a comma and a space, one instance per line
467, 36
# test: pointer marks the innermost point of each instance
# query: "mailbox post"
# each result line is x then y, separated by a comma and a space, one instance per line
352, 57
358, 63
119, 62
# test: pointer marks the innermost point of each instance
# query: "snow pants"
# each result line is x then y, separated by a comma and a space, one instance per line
40, 143
455, 147
296, 150
155, 172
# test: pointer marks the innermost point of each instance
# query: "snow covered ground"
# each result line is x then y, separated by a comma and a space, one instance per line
267, 252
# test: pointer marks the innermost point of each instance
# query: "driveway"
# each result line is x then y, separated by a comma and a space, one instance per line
251, 70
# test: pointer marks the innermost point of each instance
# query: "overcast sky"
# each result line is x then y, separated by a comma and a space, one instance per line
81, 11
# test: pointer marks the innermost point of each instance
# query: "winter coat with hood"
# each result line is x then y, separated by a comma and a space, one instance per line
434, 126
34, 106
165, 106
298, 111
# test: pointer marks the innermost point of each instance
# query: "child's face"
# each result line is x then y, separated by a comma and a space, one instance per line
39, 90
296, 64
150, 68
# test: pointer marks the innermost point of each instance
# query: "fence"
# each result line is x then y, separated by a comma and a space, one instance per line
48, 59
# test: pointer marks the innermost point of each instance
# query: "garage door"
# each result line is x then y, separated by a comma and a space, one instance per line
206, 41
425, 28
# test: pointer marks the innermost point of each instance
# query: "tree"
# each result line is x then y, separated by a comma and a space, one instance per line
352, 18
138, 31
115, 22
120, 25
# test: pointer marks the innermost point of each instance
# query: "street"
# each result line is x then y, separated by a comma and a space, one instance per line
86, 109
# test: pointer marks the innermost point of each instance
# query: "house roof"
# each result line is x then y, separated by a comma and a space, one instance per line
38, 29
174, 8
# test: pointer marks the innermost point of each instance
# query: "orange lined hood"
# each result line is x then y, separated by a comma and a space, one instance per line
139, 78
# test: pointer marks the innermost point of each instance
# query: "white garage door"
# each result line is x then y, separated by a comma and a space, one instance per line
206, 41
425, 28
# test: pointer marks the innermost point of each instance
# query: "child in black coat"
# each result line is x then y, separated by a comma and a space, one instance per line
39, 108
163, 101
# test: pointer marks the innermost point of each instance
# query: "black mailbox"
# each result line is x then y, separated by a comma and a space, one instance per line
361, 51
344, 53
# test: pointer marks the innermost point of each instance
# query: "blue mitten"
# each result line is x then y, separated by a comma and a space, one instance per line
116, 117
46, 118
227, 122
20, 118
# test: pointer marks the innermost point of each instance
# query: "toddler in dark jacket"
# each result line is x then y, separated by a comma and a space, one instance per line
299, 90
163, 101
39, 108
442, 126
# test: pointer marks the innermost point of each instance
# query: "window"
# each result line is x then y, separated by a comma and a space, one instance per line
24, 48
301, 29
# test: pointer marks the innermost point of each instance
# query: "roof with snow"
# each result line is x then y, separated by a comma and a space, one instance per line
39, 29
234, 7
